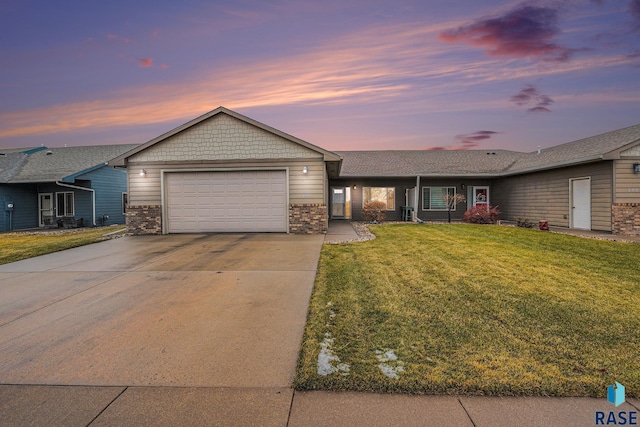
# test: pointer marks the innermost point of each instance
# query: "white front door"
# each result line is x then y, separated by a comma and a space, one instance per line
581, 203
45, 207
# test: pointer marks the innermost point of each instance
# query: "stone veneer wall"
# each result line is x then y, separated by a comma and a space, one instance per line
307, 218
625, 219
144, 220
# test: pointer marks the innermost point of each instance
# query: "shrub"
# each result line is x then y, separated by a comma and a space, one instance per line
374, 211
524, 222
481, 215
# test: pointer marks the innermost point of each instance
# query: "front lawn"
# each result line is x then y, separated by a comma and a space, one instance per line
468, 309
17, 246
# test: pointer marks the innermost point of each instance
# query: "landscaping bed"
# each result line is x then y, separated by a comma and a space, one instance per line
474, 310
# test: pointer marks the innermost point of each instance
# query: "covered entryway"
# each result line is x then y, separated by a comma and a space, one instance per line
581, 203
226, 201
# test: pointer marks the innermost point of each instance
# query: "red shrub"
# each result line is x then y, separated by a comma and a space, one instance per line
481, 215
374, 211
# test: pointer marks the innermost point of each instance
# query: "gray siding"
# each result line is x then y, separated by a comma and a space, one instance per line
461, 208
545, 195
400, 185
627, 182
303, 188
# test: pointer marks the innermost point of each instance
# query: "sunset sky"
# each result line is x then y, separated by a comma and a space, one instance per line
344, 75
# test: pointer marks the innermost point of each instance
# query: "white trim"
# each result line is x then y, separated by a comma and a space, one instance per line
93, 197
394, 197
40, 223
64, 213
163, 196
473, 195
455, 191
571, 207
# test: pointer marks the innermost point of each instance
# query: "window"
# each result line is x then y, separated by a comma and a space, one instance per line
64, 204
434, 198
125, 202
380, 194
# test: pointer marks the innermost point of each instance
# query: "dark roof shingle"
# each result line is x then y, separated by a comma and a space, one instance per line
54, 164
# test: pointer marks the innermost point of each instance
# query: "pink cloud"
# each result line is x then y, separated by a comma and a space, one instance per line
525, 32
145, 62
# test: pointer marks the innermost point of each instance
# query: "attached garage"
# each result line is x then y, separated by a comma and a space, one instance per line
225, 172
226, 201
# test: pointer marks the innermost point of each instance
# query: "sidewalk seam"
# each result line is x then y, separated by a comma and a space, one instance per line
293, 395
467, 412
106, 407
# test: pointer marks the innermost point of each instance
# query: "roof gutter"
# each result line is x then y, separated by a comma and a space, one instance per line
93, 196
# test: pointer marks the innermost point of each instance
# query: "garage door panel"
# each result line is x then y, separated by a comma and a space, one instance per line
241, 201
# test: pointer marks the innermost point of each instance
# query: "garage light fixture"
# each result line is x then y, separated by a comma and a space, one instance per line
143, 172
305, 169
636, 168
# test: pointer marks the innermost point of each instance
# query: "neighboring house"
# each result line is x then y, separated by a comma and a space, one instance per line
226, 172
41, 186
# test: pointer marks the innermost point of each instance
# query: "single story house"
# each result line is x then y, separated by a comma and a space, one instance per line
226, 172
43, 186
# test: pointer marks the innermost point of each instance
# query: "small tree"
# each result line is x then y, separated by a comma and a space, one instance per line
452, 200
374, 211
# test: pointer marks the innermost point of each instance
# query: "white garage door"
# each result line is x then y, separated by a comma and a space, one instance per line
241, 201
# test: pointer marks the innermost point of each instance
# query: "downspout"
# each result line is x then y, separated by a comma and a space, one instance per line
417, 198
93, 196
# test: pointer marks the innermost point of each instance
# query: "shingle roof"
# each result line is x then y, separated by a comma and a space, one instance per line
10, 163
420, 162
54, 164
583, 150
401, 163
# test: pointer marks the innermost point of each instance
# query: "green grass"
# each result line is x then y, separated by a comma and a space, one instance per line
18, 246
472, 310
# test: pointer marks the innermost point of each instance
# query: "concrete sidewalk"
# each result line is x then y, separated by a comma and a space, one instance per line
22, 405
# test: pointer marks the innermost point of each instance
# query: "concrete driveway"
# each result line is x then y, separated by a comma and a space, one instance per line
220, 316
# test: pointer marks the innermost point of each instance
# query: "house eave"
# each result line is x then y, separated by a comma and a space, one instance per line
556, 165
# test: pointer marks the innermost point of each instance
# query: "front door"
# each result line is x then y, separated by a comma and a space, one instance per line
581, 203
481, 197
45, 207
341, 202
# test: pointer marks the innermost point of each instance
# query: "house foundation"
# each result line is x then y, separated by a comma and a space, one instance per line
625, 219
308, 218
144, 220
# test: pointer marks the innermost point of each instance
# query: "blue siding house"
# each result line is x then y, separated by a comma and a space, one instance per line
46, 187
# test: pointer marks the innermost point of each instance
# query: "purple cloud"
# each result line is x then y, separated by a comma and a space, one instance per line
530, 95
525, 32
472, 140
634, 10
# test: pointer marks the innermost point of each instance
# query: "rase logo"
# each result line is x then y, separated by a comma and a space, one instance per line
615, 396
